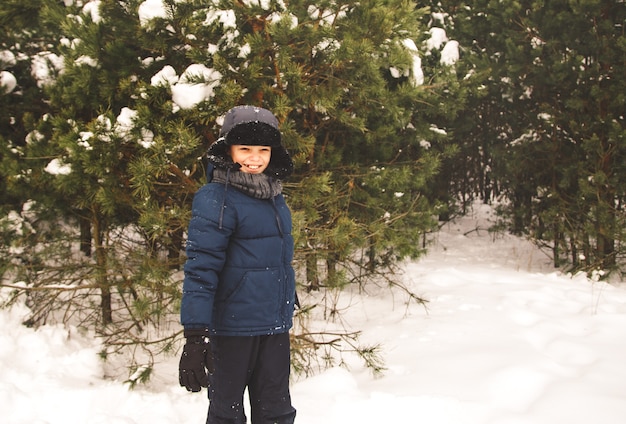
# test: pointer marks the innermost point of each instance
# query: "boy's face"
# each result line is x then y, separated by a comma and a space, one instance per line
253, 159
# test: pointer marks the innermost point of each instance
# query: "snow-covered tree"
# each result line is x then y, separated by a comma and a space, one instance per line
548, 123
131, 94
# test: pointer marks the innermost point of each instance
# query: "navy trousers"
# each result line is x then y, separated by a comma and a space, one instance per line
260, 363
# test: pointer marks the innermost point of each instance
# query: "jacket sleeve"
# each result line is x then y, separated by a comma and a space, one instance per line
210, 228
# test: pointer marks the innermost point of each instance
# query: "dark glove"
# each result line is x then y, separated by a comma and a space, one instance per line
196, 361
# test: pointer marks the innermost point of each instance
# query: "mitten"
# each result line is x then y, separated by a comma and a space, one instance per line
196, 361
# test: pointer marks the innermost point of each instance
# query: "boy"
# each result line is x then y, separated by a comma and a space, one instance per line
239, 287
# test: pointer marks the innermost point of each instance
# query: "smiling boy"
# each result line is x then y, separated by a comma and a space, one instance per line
239, 287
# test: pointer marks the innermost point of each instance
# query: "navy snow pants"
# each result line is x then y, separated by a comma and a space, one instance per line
260, 363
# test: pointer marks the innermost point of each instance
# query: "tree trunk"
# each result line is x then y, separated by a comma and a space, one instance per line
605, 211
101, 271
174, 248
331, 267
85, 236
312, 276
556, 254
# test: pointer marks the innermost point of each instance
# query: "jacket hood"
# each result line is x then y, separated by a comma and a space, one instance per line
251, 125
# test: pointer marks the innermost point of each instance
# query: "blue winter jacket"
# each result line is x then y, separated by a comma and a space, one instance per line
239, 280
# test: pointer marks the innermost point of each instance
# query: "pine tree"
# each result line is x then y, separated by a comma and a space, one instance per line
22, 35
85, 160
557, 128
115, 151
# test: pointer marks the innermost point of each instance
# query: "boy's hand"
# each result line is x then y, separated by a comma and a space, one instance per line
196, 362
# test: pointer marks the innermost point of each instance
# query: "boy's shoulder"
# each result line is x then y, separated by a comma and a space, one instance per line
218, 191
209, 191
211, 186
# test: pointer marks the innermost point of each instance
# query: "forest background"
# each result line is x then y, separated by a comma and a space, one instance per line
398, 114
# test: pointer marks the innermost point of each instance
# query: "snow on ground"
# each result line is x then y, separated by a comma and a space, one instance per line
504, 339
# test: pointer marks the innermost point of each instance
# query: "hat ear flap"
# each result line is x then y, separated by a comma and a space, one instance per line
218, 148
281, 165
219, 155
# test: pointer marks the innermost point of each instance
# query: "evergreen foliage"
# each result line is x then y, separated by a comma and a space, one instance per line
103, 148
549, 119
105, 118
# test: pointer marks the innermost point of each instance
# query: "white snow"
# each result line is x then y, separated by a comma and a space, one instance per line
41, 66
225, 17
7, 58
86, 60
57, 167
418, 73
124, 121
8, 82
166, 76
92, 9
124, 124
438, 37
450, 50
450, 53
151, 9
504, 339
186, 92
187, 96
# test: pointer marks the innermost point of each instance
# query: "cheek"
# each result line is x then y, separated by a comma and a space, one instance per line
236, 156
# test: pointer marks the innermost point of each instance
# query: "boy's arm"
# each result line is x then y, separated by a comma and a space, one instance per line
208, 236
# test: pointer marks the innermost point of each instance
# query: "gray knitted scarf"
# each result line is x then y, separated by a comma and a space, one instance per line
259, 186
